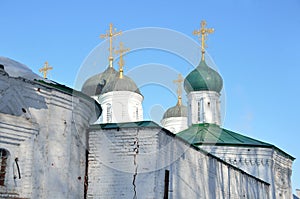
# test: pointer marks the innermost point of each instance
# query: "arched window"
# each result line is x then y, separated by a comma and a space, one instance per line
3, 165
218, 110
200, 112
108, 113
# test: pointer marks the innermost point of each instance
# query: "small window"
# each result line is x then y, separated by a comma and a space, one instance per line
3, 165
108, 113
199, 111
166, 189
137, 113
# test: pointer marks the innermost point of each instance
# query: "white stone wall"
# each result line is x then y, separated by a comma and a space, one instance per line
115, 157
46, 130
264, 163
175, 124
17, 137
131, 162
204, 107
126, 106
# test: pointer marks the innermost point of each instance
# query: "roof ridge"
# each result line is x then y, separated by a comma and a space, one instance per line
226, 138
208, 129
239, 134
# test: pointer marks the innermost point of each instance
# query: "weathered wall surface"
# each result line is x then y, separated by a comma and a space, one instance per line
17, 138
46, 130
133, 162
118, 167
265, 163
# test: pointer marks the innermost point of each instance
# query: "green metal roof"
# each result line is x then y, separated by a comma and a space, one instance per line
148, 124
199, 134
212, 134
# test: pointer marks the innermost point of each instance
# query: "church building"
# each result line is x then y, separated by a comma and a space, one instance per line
56, 142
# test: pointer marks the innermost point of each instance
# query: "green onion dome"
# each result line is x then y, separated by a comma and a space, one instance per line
203, 78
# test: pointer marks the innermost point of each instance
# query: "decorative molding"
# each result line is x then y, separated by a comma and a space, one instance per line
248, 161
16, 133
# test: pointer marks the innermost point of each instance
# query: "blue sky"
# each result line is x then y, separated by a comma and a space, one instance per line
255, 48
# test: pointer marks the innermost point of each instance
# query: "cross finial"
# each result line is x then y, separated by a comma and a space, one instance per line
179, 88
121, 51
45, 69
202, 33
110, 34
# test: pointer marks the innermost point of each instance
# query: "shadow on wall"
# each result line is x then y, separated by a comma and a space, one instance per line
13, 97
298, 194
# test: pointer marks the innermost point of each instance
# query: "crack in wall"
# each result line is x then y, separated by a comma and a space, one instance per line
133, 183
136, 151
86, 178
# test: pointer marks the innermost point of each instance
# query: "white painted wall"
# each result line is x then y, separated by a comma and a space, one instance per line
18, 139
126, 106
175, 124
204, 107
265, 163
129, 162
46, 130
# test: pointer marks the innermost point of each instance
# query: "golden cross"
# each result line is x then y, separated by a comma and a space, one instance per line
45, 69
121, 61
110, 34
203, 32
179, 88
